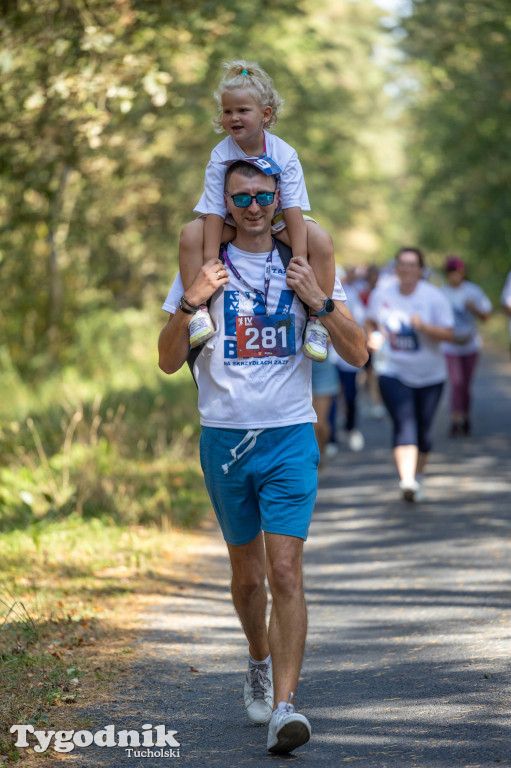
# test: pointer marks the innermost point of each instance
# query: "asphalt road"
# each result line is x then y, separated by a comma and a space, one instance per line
408, 654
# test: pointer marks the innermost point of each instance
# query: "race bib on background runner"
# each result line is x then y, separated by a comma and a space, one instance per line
404, 341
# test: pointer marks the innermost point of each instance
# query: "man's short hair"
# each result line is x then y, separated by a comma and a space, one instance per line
244, 169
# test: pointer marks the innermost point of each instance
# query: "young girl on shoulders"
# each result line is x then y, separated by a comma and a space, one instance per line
248, 107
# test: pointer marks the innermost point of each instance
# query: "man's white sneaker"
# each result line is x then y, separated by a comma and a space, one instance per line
258, 692
200, 327
314, 345
288, 730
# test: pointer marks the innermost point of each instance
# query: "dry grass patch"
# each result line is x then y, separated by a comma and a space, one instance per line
69, 624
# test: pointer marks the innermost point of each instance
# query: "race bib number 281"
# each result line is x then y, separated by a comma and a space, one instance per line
265, 336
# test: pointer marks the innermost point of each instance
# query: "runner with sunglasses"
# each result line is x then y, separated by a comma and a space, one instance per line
258, 451
248, 107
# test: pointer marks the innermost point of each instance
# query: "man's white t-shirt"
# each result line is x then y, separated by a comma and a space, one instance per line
465, 325
506, 297
409, 355
257, 390
293, 193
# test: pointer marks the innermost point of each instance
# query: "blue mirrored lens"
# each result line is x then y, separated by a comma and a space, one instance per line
265, 198
262, 198
241, 201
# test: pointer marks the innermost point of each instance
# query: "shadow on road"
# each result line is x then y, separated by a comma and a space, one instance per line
407, 660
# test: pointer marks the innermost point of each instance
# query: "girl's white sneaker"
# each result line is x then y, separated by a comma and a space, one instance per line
315, 343
200, 327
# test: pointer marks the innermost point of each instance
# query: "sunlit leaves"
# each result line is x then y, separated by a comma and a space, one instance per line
462, 128
105, 131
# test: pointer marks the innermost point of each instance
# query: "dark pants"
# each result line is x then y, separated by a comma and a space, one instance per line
412, 410
461, 372
348, 381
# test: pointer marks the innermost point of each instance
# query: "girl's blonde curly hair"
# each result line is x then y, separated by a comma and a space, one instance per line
247, 74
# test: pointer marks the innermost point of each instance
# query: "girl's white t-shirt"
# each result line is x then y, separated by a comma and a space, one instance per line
252, 392
464, 321
410, 355
293, 193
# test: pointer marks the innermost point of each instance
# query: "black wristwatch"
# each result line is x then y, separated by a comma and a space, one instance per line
328, 307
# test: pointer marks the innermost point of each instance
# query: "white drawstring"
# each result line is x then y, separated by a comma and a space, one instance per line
250, 438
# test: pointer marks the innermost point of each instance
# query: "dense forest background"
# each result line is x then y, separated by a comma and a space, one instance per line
401, 116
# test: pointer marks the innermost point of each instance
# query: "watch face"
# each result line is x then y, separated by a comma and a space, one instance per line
329, 305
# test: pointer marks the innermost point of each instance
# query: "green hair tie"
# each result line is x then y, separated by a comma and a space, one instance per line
244, 72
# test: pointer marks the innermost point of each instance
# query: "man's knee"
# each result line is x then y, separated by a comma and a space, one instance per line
248, 578
247, 585
285, 575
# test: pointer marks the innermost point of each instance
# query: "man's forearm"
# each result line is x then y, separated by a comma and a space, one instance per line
437, 332
174, 343
348, 338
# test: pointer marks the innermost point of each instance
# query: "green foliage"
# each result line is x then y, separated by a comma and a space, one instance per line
459, 54
105, 132
107, 437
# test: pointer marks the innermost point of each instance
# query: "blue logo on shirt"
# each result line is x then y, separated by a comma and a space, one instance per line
238, 303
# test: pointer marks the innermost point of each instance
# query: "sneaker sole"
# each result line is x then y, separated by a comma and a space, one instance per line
198, 340
318, 358
290, 737
409, 495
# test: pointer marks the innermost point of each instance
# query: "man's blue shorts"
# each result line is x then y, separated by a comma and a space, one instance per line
272, 487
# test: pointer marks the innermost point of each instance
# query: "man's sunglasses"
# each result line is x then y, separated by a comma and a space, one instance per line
262, 198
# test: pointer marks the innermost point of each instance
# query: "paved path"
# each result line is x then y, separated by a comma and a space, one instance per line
409, 645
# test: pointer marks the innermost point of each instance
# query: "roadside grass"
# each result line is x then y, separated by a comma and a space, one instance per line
100, 492
69, 607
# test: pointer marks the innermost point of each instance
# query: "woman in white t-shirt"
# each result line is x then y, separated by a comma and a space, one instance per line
248, 106
469, 303
406, 323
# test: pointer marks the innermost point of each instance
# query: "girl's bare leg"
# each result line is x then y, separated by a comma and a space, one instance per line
321, 256
191, 248
320, 250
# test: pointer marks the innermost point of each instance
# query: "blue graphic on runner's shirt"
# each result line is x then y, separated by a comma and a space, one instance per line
237, 303
405, 339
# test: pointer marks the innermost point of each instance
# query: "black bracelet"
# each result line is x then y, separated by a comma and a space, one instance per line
184, 309
188, 304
